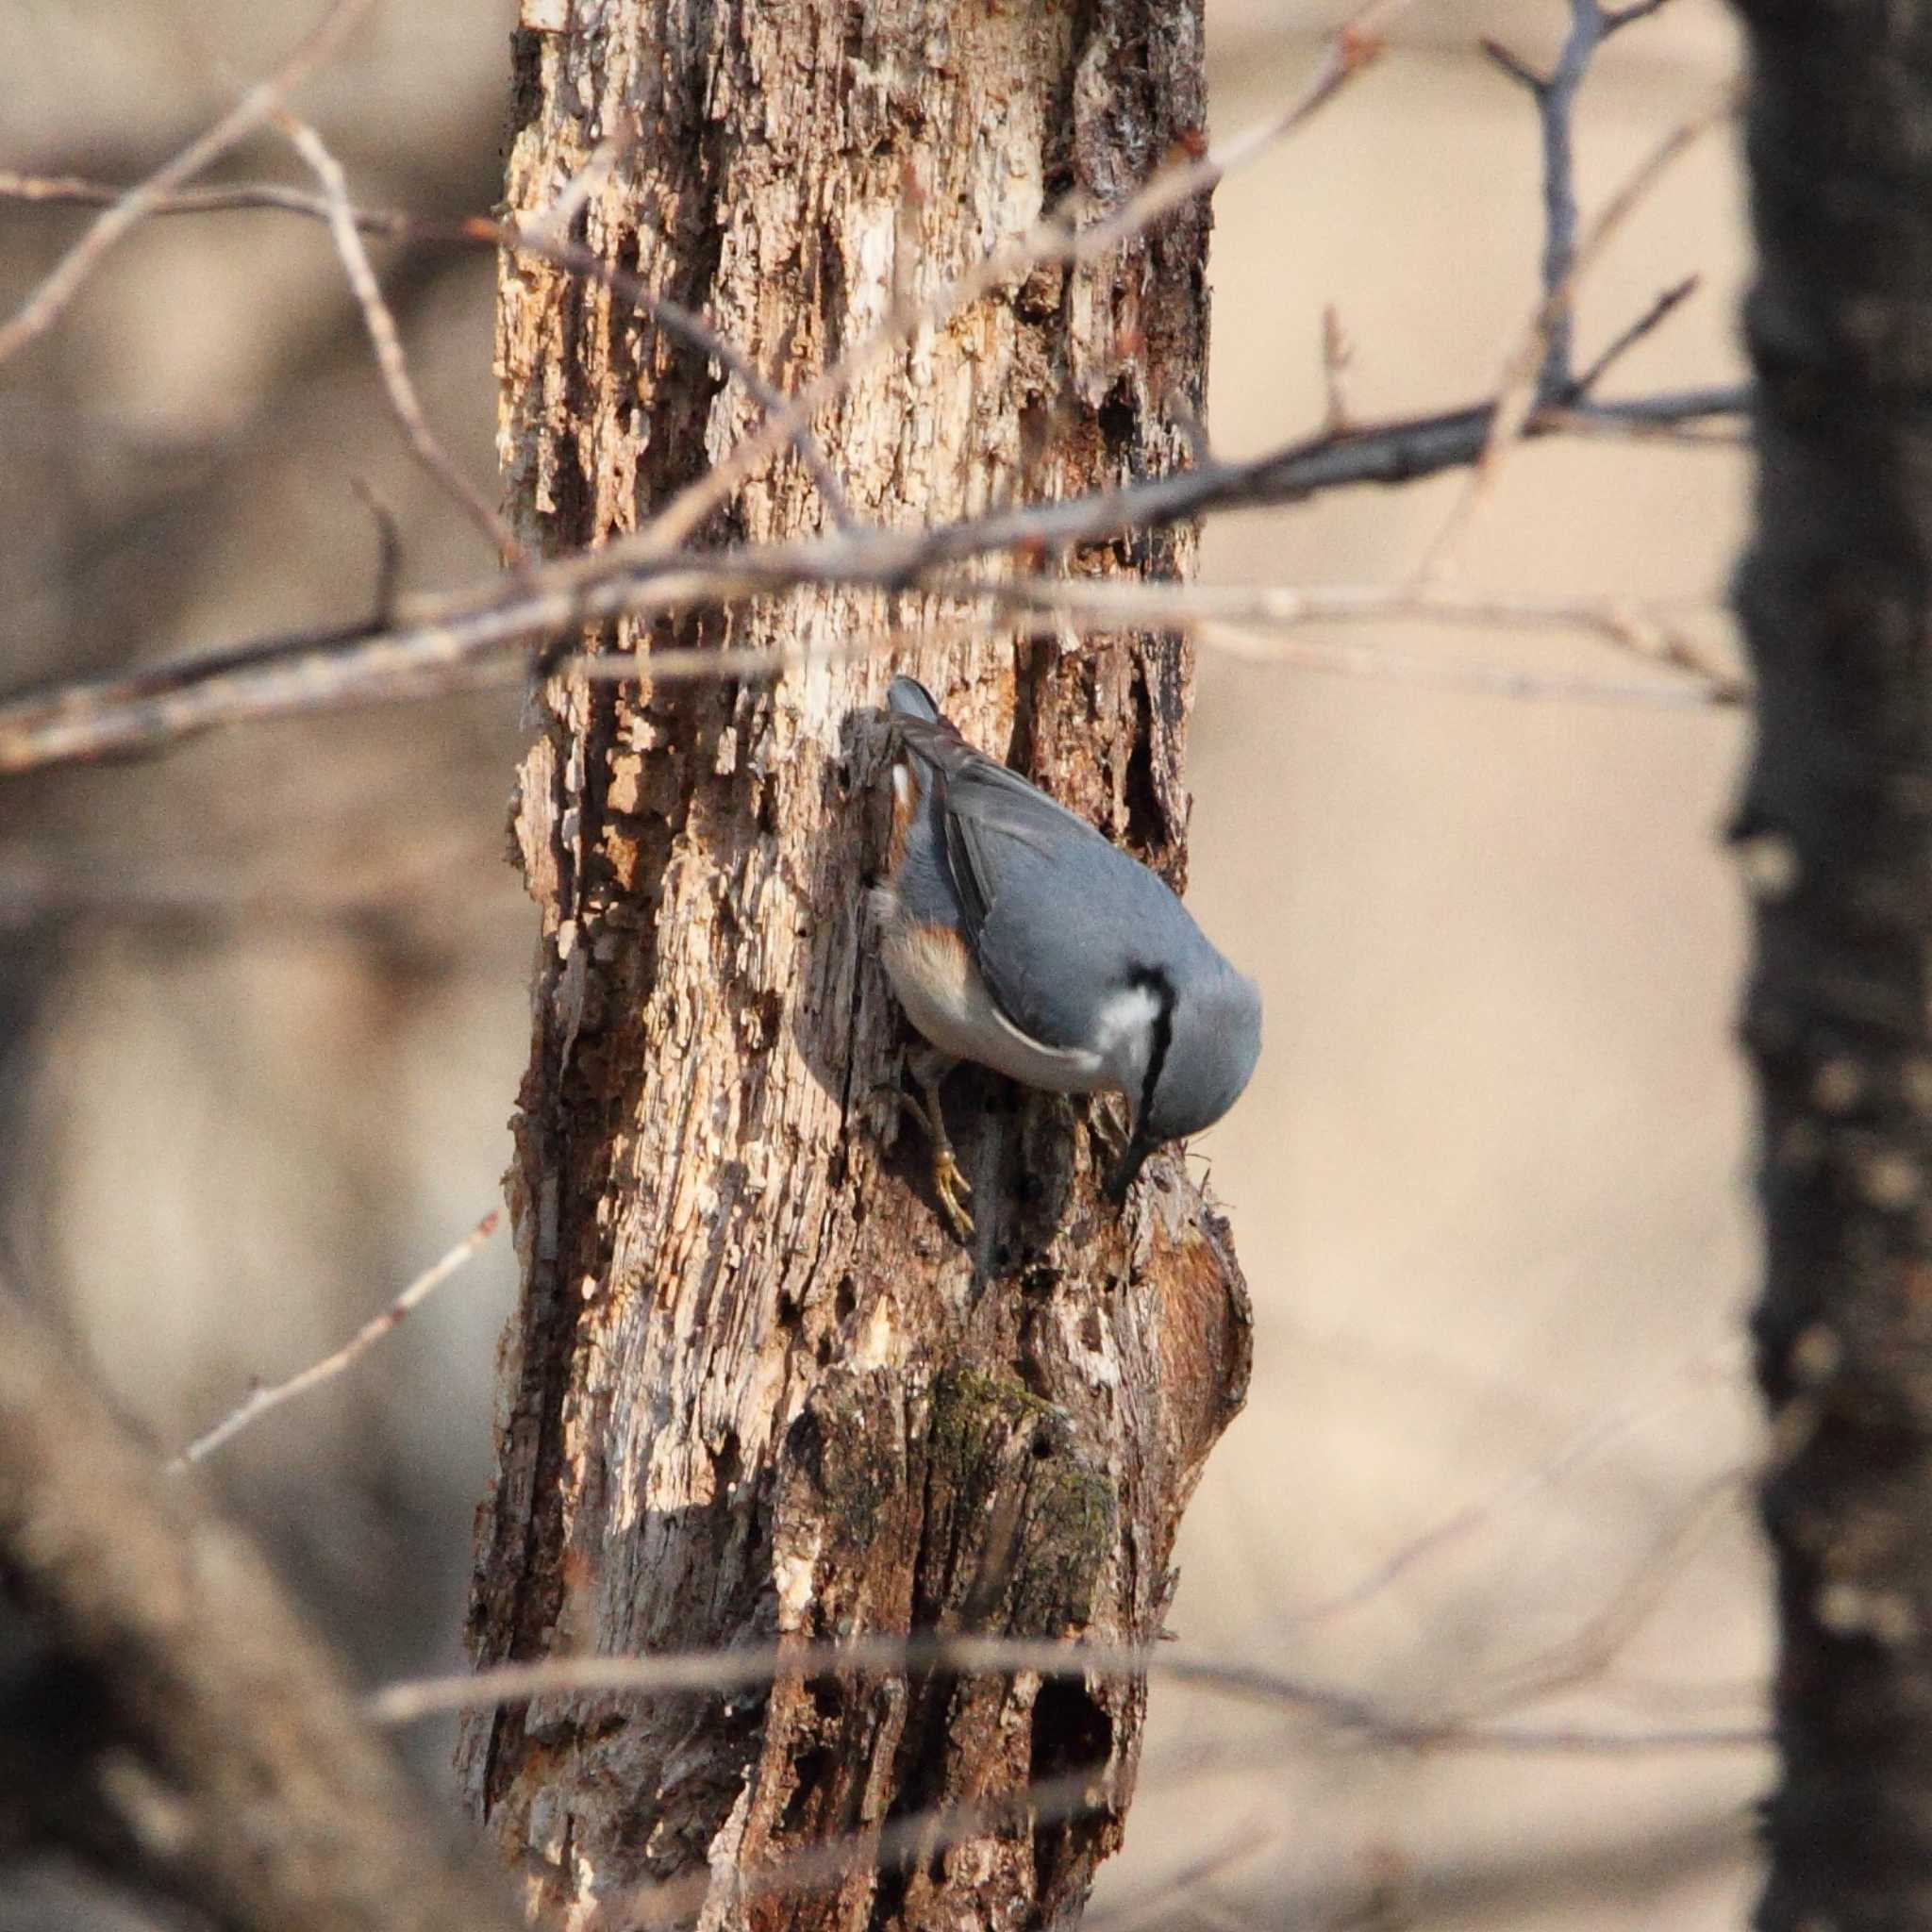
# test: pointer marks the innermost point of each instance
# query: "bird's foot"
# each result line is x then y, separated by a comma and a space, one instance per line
949, 1183
951, 1187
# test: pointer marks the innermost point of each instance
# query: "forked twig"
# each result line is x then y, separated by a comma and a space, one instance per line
388, 344
41, 309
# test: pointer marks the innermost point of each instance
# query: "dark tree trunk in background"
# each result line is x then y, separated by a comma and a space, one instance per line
754, 1387
1836, 834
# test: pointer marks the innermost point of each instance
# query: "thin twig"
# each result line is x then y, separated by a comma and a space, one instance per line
474, 232
1514, 683
262, 1400
1580, 1449
1537, 371
389, 554
717, 1672
1694, 433
1254, 1834
1556, 93
553, 222
1615, 1623
388, 344
45, 306
1140, 604
1337, 354
1061, 239
1626, 339
300, 672
198, 1745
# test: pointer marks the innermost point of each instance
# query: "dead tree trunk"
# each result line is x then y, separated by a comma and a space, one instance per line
754, 1387
1836, 831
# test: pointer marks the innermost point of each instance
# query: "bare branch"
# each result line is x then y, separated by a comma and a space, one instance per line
474, 232
1518, 69
903, 1841
45, 306
263, 1399
554, 223
1060, 238
1513, 682
1586, 1444
388, 344
1345, 1714
1537, 371
306, 672
1614, 21
1556, 94
1697, 432
389, 554
1337, 354
1255, 1835
1126, 603
1620, 344
1611, 1628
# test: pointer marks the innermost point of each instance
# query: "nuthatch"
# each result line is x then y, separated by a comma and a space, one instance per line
1016, 936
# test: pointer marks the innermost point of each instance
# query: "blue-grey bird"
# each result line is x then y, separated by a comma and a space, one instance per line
1015, 935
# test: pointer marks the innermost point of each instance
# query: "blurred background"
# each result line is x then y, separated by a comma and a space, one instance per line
264, 1009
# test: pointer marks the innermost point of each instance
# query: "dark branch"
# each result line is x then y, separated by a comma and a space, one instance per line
311, 670
1625, 339
1556, 93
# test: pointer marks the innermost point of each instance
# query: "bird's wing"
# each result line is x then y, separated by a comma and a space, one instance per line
1051, 908
992, 817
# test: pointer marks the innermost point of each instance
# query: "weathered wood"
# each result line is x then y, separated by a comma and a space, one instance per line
753, 1385
1836, 827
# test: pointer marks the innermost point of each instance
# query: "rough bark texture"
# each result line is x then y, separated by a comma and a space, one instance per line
1837, 833
754, 1385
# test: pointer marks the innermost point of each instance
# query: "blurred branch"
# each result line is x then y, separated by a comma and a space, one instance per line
262, 1400
388, 344
474, 232
1581, 1448
1345, 1714
1065, 237
1652, 318
1129, 604
218, 903
1611, 1629
1070, 236
1183, 1887
441, 642
227, 1767
1529, 377
45, 306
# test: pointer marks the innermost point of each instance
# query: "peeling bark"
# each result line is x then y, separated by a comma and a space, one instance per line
754, 1387
1835, 829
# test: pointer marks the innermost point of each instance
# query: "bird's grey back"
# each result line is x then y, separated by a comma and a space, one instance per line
1061, 920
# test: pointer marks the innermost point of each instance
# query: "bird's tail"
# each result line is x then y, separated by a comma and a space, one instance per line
908, 698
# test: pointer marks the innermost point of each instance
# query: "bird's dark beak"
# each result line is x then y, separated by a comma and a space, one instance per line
1138, 1149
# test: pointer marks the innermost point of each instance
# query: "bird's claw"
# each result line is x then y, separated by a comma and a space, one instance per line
949, 1183
951, 1187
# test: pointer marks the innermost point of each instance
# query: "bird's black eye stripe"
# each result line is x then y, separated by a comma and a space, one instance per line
1161, 987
